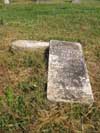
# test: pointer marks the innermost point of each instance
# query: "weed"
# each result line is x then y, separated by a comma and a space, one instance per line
20, 105
9, 95
1, 21
26, 86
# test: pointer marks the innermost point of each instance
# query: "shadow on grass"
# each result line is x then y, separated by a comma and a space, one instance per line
46, 57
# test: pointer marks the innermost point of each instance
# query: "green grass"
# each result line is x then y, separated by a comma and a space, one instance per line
23, 75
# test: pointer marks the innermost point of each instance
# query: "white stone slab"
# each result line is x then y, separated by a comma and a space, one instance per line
29, 44
6, 1
76, 1
68, 80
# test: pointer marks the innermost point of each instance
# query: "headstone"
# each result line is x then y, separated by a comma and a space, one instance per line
28, 45
76, 1
6, 1
68, 80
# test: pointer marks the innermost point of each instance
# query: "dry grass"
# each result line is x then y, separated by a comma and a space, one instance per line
23, 75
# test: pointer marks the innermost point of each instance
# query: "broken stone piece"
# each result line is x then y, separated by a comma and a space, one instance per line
28, 44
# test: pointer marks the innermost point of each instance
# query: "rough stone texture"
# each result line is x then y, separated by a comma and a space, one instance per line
68, 79
28, 44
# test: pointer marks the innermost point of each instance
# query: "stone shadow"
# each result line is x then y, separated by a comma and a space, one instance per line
46, 58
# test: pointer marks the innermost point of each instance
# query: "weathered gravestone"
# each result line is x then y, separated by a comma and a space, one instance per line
68, 79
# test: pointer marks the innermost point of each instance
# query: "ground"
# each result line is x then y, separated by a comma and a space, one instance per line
23, 75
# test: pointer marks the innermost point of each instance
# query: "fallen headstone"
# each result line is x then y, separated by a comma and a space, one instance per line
68, 80
28, 45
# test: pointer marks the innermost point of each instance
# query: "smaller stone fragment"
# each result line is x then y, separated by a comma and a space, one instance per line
76, 1
28, 44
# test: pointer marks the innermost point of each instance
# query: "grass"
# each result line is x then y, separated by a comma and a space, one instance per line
23, 75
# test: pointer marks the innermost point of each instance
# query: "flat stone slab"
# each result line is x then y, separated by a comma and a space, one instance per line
6, 1
28, 44
76, 1
68, 80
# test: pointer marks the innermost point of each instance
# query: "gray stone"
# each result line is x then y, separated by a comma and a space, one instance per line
68, 80
28, 45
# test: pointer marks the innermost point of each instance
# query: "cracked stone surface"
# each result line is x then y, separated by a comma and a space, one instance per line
68, 79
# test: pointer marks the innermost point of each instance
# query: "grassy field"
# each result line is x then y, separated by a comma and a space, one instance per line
24, 107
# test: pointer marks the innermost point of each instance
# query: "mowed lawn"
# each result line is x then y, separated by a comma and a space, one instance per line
24, 107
